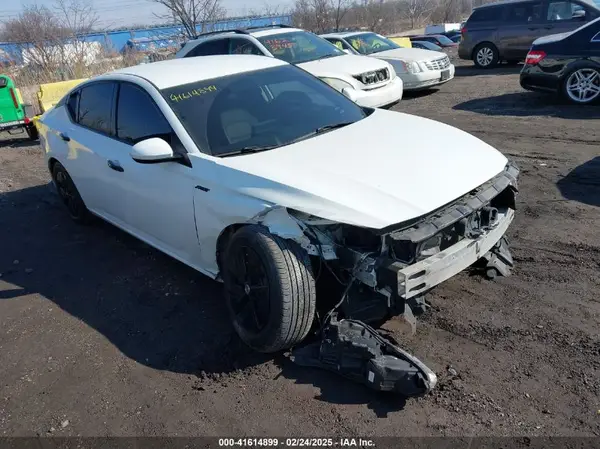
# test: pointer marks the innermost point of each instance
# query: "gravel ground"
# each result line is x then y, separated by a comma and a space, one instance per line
102, 335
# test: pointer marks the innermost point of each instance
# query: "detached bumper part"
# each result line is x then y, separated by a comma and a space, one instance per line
358, 352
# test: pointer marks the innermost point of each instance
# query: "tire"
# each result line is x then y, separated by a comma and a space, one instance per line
69, 194
32, 132
272, 304
589, 80
486, 56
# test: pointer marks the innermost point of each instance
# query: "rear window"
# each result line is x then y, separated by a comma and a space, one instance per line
486, 15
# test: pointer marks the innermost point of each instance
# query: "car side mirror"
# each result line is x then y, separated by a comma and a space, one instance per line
579, 14
152, 151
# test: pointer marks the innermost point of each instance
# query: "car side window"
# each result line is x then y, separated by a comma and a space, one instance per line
72, 103
214, 47
239, 46
95, 106
138, 116
520, 13
559, 11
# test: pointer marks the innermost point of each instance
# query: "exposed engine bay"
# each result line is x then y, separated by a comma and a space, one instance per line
387, 272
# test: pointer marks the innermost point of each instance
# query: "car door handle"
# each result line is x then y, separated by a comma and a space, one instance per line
64, 137
549, 27
115, 166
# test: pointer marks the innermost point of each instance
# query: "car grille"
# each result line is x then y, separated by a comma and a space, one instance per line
377, 76
438, 64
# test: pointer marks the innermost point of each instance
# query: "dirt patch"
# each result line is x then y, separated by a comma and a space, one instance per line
100, 330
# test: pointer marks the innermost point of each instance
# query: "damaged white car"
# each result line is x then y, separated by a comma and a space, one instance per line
256, 173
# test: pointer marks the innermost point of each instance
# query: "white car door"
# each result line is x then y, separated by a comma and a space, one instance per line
160, 196
93, 157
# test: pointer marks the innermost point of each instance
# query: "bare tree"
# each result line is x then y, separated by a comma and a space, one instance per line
191, 14
320, 15
376, 15
447, 11
78, 20
417, 10
340, 9
36, 33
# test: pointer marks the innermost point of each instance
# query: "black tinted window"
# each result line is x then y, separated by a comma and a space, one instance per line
138, 117
95, 106
216, 47
525, 12
72, 104
271, 107
239, 46
486, 15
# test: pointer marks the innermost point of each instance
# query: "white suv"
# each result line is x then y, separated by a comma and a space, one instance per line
419, 69
367, 81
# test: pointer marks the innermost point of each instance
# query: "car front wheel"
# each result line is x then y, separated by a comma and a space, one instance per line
486, 56
582, 86
270, 289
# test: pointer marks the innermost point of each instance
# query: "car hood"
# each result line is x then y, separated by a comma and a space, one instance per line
385, 169
345, 64
410, 54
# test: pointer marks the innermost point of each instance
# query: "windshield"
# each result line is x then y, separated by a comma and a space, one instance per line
369, 43
297, 47
260, 110
443, 39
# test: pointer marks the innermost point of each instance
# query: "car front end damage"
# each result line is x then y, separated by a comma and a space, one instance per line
386, 273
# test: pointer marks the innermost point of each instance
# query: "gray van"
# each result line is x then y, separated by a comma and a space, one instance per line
505, 31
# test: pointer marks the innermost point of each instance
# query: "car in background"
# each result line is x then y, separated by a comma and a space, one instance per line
438, 39
505, 31
566, 63
255, 173
453, 35
15, 117
426, 45
366, 81
419, 69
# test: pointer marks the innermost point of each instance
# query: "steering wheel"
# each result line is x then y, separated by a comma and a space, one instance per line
376, 45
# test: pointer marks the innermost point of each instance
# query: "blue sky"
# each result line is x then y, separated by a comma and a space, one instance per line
116, 13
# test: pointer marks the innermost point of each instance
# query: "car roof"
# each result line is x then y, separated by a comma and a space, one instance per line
267, 31
346, 33
175, 72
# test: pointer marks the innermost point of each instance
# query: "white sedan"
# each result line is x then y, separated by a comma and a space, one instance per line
256, 173
419, 69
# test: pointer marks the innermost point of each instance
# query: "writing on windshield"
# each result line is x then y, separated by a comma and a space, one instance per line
297, 47
186, 95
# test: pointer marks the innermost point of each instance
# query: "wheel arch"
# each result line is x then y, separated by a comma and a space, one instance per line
223, 240
51, 163
576, 65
